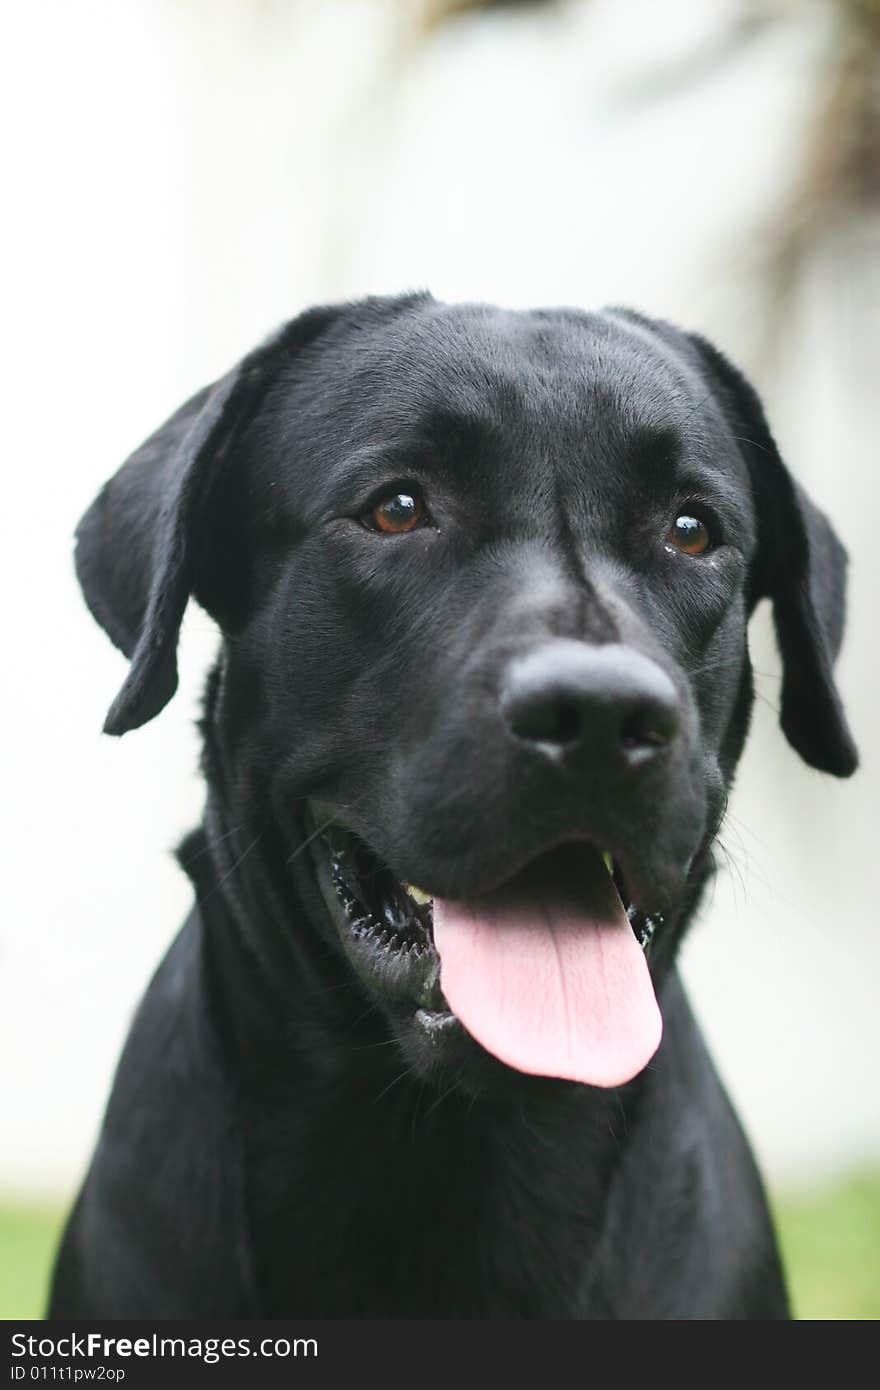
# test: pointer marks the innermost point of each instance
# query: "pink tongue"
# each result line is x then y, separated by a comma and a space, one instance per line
551, 979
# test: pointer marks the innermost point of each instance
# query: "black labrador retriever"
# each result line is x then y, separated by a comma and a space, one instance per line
483, 580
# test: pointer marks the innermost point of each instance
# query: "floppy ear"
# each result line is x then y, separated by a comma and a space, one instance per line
136, 546
801, 567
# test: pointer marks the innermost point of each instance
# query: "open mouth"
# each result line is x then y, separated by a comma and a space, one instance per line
548, 972
386, 927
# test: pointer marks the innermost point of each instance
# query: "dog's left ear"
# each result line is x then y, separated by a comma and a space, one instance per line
138, 545
801, 568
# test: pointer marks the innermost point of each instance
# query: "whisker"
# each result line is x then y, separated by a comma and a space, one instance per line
734, 869
442, 1096
759, 695
209, 845
309, 838
754, 442
390, 1087
232, 868
415, 1114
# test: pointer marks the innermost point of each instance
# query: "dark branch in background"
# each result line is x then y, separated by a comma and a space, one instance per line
753, 20
437, 12
835, 191
834, 186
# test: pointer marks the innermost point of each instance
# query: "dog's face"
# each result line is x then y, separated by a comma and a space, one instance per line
484, 580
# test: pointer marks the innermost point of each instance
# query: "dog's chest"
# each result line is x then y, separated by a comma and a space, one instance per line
382, 1223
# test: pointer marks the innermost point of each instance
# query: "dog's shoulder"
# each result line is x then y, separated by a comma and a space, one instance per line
163, 1198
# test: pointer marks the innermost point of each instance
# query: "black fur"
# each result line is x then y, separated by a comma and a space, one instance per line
281, 1141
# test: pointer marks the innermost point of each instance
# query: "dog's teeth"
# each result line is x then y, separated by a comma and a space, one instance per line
418, 895
609, 862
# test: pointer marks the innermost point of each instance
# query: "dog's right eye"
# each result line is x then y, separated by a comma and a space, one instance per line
395, 513
689, 534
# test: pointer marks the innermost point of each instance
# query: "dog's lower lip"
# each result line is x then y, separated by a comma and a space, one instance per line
436, 1023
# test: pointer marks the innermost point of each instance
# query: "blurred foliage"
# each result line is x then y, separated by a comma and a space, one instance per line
834, 193
833, 190
840, 174
830, 1241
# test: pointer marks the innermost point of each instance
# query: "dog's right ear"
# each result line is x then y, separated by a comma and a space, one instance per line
136, 545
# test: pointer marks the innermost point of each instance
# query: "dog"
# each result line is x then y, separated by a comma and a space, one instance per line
420, 1050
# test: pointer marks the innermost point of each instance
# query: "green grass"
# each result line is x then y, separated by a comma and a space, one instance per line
28, 1237
831, 1247
830, 1241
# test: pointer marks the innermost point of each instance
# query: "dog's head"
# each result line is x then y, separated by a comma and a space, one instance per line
483, 580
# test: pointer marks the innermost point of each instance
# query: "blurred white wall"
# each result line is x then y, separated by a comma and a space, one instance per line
179, 177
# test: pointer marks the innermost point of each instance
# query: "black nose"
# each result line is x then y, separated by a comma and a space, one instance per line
609, 705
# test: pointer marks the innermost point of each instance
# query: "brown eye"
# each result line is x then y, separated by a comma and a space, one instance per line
689, 534
403, 511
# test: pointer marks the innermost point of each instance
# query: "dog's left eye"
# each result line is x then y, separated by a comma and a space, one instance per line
395, 513
689, 534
